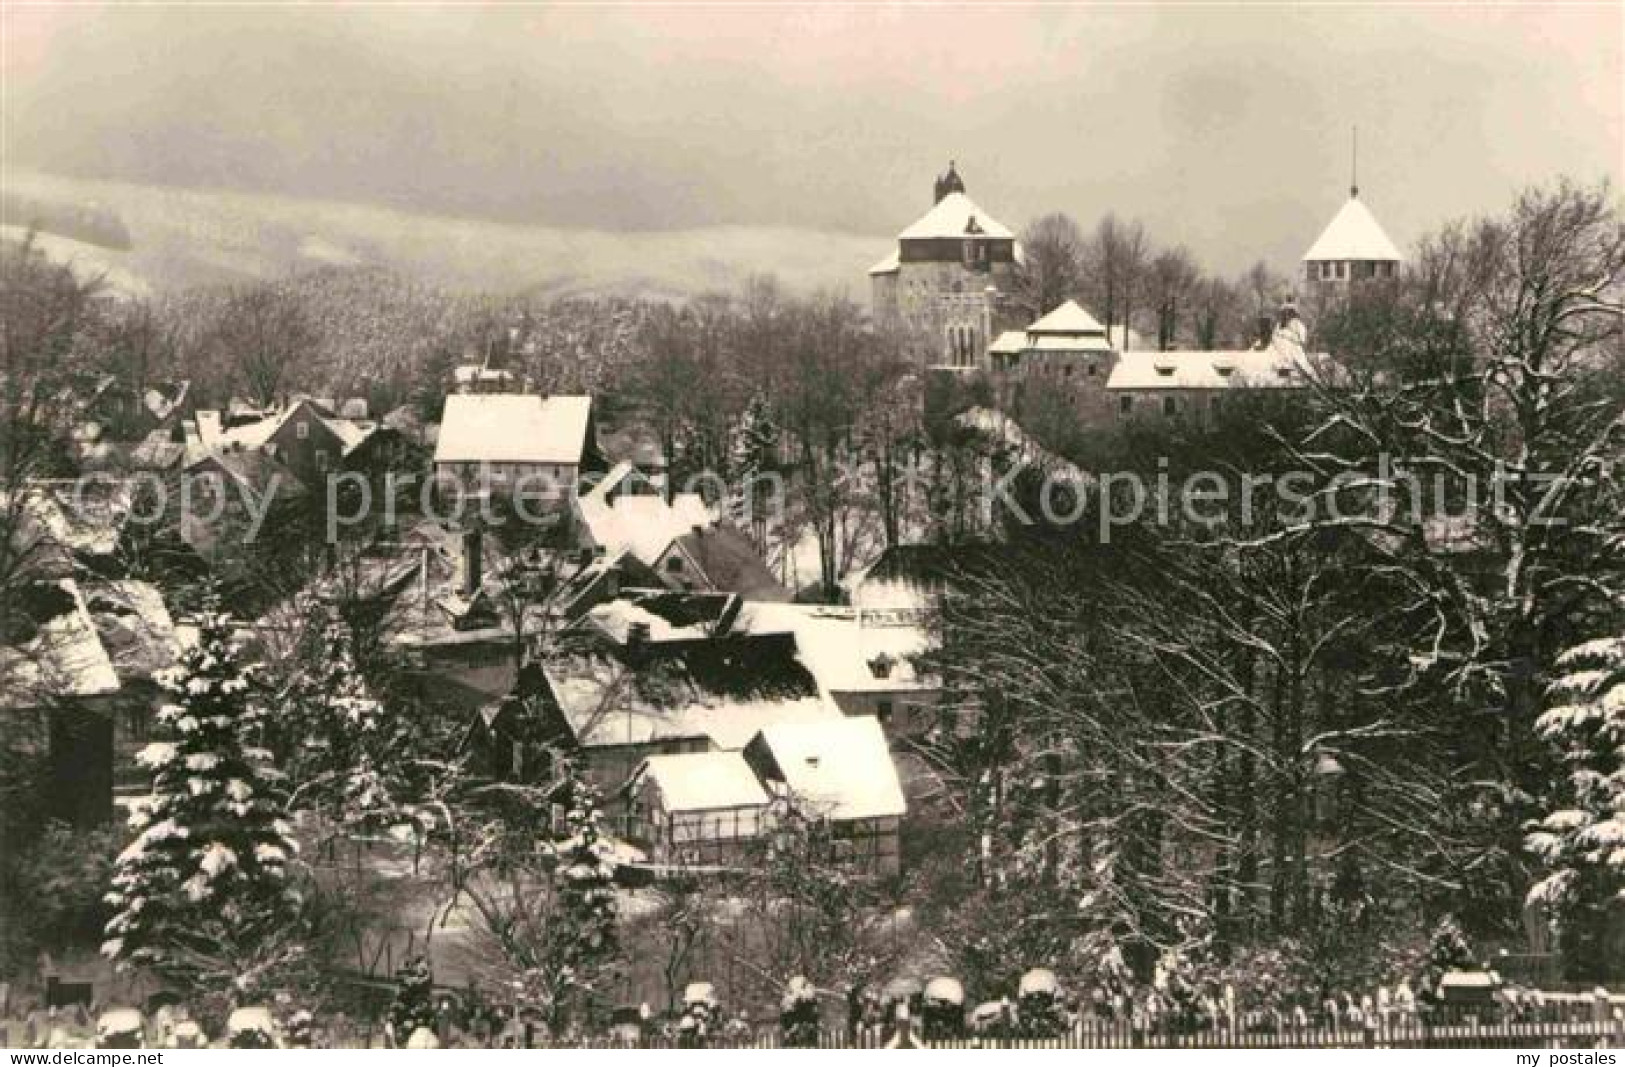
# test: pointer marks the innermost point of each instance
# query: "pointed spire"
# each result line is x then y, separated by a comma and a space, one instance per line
1354, 165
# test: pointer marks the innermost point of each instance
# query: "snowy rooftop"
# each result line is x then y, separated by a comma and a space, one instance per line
513, 428
641, 523
953, 216
704, 781
1008, 343
1353, 233
1069, 318
841, 767
667, 615
724, 691
847, 650
63, 657
1277, 367
134, 625
85, 516
888, 265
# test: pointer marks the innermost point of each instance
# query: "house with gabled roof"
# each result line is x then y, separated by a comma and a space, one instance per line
503, 442
837, 773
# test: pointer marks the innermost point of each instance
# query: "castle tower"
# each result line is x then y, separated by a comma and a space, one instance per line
1353, 247
950, 275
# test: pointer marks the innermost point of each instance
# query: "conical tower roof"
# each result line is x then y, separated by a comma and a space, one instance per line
1353, 234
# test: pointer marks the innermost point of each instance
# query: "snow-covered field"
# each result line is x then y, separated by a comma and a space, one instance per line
186, 237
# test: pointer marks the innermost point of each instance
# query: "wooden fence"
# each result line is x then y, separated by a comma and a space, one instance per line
1569, 1035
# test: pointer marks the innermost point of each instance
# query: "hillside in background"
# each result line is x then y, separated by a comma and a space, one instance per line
182, 238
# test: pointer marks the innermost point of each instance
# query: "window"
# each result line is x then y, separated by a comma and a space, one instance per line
321, 459
1170, 405
137, 721
1069, 370
883, 710
1089, 370
674, 565
1125, 404
301, 429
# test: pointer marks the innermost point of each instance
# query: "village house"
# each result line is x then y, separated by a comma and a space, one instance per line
306, 436
866, 663
706, 808
497, 442
838, 773
698, 809
614, 706
681, 541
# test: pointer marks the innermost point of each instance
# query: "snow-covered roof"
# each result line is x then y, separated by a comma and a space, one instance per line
841, 767
1068, 318
952, 217
134, 626
847, 650
86, 516
63, 657
1276, 367
1009, 343
1353, 233
666, 615
888, 265
641, 523
513, 428
704, 781
722, 691
1125, 338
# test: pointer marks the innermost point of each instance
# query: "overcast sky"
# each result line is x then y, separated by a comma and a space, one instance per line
1224, 128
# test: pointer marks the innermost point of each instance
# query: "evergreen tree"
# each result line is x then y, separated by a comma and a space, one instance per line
587, 941
203, 894
341, 753
1448, 950
754, 457
1582, 841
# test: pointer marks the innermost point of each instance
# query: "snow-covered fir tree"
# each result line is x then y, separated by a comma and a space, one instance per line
203, 895
339, 750
1581, 842
753, 455
585, 944
1448, 951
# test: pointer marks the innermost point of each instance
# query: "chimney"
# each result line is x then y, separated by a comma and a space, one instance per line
637, 640
473, 560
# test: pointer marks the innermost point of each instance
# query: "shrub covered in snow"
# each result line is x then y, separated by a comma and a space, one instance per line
1581, 842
